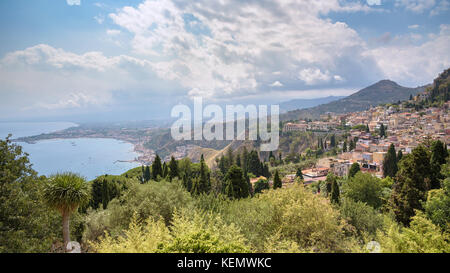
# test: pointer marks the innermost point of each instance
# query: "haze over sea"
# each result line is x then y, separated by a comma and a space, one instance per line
89, 157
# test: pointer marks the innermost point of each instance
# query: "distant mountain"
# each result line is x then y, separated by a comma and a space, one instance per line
384, 91
306, 103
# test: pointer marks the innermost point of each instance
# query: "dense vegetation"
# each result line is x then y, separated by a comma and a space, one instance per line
189, 207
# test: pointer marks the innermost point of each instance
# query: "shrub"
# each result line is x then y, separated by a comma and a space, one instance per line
364, 187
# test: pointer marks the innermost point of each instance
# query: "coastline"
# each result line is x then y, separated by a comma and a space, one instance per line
143, 157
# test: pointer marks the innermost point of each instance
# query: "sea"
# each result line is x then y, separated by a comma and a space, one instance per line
89, 157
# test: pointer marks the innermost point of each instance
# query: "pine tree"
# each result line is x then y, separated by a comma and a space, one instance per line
277, 181
254, 165
157, 168
411, 186
390, 163
173, 166
236, 184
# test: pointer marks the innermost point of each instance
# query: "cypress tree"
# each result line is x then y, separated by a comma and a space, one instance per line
382, 130
390, 163
147, 175
203, 181
352, 145
238, 160
173, 166
187, 182
333, 141
329, 183
230, 159
439, 156
266, 172
271, 155
335, 192
157, 168
222, 165
411, 186
277, 181
245, 160
344, 147
399, 155
105, 193
353, 169
299, 173
165, 170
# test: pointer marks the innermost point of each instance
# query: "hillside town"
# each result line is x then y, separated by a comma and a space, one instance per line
401, 126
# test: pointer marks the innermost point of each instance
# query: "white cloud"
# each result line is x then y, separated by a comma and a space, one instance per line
113, 32
415, 63
442, 7
417, 6
374, 2
240, 46
57, 79
276, 84
223, 50
413, 26
313, 76
73, 100
73, 2
99, 18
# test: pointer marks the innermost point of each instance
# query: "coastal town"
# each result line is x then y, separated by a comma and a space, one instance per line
403, 127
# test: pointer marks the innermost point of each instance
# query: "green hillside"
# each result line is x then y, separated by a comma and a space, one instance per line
384, 91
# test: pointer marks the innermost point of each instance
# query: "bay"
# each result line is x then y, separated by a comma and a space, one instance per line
89, 157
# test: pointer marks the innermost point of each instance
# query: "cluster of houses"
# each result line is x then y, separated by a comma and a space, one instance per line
405, 128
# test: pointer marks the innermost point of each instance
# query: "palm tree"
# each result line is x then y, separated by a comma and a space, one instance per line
65, 192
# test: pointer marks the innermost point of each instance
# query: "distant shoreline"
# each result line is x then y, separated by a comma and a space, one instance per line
135, 160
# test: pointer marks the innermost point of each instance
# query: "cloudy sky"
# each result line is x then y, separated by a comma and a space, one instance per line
100, 60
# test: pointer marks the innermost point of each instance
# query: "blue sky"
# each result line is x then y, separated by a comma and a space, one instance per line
106, 60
